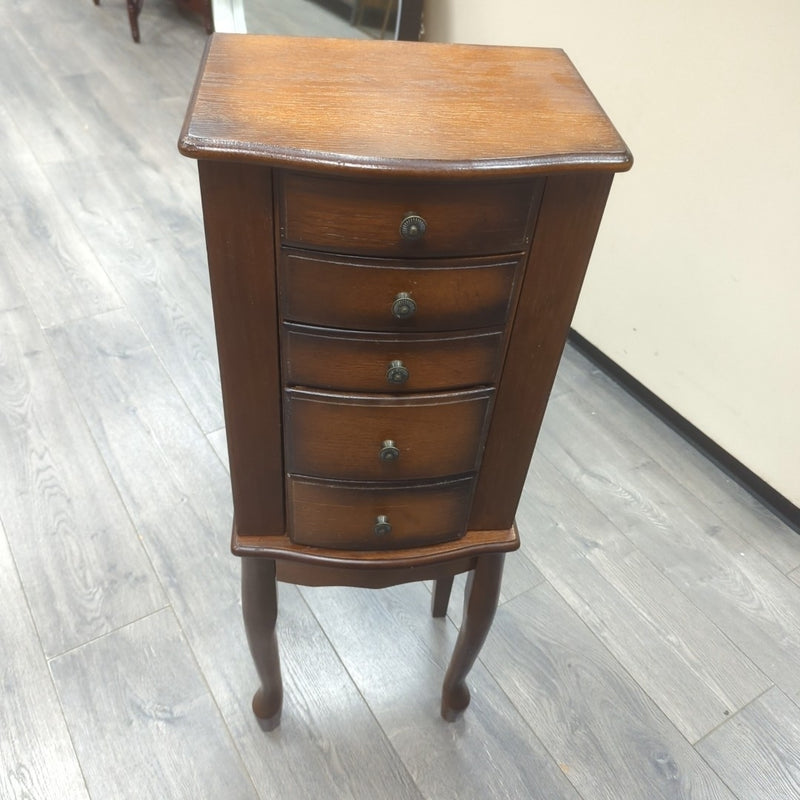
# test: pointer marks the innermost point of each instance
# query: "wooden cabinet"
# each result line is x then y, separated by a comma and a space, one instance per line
397, 234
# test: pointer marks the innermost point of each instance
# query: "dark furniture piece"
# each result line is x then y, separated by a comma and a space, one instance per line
202, 7
397, 234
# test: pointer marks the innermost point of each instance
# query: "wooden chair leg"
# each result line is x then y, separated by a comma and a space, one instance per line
441, 595
480, 603
260, 611
134, 7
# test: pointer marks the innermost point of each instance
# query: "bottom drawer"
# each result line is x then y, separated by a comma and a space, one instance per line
371, 517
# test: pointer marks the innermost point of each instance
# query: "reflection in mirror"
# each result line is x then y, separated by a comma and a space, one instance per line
380, 19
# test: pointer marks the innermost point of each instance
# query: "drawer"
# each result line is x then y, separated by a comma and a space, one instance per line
358, 362
359, 294
365, 217
340, 436
335, 515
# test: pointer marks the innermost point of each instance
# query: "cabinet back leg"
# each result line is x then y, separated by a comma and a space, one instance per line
441, 596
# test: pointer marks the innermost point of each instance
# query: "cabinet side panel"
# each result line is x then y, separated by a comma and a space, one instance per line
237, 208
568, 221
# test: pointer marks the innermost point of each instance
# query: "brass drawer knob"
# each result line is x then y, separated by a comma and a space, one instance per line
389, 451
403, 306
413, 227
397, 372
382, 526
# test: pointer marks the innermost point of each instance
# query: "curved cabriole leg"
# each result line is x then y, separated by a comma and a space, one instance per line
480, 603
260, 611
441, 595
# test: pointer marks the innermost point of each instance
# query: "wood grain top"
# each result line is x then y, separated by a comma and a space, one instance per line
409, 108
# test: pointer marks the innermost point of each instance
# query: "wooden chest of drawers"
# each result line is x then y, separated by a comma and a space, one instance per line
397, 234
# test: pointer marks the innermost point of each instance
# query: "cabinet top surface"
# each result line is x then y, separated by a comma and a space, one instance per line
405, 108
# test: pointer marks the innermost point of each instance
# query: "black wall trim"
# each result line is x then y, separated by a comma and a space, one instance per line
760, 489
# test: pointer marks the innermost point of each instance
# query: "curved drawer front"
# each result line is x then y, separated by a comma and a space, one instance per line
365, 217
357, 294
344, 437
346, 361
377, 518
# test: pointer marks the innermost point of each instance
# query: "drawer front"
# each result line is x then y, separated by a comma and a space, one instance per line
333, 292
344, 437
365, 217
330, 359
376, 518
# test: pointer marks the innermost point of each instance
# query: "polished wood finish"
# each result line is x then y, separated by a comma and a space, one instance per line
364, 216
332, 359
440, 598
426, 110
480, 604
340, 436
567, 226
360, 568
384, 486
336, 515
260, 611
450, 294
242, 273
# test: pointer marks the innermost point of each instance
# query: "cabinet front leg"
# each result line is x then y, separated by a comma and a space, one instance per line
480, 603
260, 611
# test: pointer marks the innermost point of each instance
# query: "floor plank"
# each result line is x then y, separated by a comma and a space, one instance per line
397, 655
142, 719
11, 294
81, 564
177, 492
219, 442
682, 660
52, 128
729, 580
758, 750
607, 736
622, 415
36, 754
169, 298
48, 253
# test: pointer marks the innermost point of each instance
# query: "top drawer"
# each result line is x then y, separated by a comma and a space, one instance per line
365, 217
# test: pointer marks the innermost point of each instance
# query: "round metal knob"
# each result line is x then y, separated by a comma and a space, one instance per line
403, 306
389, 451
413, 227
382, 526
397, 372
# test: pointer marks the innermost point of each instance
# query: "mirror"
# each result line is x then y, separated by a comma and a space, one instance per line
380, 19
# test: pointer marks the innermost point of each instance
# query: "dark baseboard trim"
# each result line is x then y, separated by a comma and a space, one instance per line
760, 489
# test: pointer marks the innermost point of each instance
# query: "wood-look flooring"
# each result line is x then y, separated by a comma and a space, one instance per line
648, 641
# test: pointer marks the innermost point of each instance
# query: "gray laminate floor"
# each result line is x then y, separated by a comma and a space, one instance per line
648, 641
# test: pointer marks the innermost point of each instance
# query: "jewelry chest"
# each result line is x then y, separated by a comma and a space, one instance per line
397, 234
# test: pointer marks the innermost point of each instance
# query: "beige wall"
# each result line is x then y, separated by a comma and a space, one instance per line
694, 285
